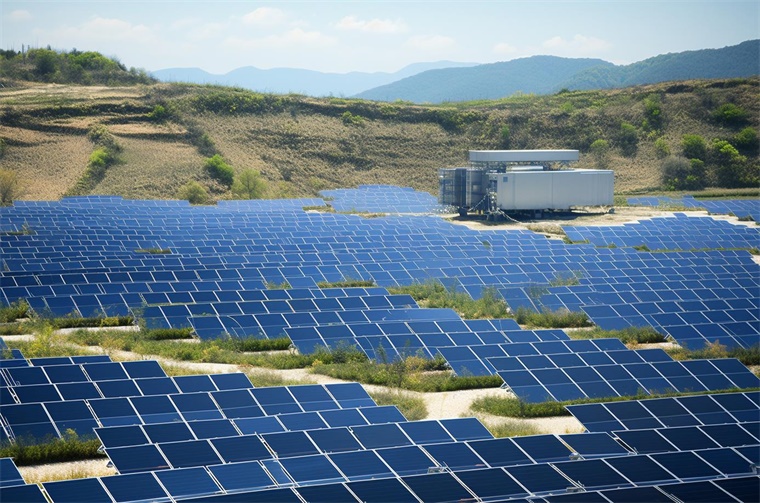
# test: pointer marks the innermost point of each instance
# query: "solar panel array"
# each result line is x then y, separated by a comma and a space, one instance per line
383, 199
333, 443
79, 255
741, 208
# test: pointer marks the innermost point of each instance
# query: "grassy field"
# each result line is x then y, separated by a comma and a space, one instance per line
302, 145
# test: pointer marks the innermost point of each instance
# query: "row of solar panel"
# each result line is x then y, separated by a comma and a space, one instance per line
741, 208
615, 479
668, 412
602, 381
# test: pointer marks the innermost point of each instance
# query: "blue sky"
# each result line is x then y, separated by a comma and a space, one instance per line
344, 36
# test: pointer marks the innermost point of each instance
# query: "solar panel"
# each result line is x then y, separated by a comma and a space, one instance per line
9, 474
187, 482
134, 487
75, 491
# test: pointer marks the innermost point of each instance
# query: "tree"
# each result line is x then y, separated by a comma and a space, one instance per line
219, 170
678, 173
193, 192
600, 150
694, 147
730, 165
730, 114
628, 139
661, 148
747, 141
249, 185
653, 112
10, 187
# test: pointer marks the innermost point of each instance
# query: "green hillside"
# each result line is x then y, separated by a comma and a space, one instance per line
537, 74
150, 140
741, 60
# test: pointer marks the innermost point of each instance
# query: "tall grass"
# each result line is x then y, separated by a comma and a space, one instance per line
14, 311
511, 428
551, 319
433, 294
69, 448
509, 406
413, 408
630, 335
748, 356
412, 373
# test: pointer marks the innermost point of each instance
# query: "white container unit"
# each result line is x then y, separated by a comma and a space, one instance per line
553, 190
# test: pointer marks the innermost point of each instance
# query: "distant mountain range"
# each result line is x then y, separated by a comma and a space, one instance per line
293, 80
444, 81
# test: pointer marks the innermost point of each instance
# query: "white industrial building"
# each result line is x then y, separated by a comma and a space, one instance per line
503, 181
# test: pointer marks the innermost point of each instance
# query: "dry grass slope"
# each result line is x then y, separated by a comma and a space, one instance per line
303, 145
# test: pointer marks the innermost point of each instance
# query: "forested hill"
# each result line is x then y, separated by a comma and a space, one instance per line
548, 74
741, 60
534, 75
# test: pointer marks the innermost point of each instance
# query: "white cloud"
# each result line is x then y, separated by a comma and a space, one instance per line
431, 42
352, 23
99, 28
292, 38
579, 45
504, 49
20, 15
266, 16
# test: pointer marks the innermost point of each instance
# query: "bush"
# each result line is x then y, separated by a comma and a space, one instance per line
68, 448
600, 150
747, 141
14, 311
552, 319
249, 185
628, 138
661, 148
730, 114
193, 192
653, 112
10, 187
678, 173
694, 147
434, 295
630, 335
219, 170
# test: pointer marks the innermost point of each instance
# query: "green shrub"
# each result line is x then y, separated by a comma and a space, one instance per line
11, 187
630, 335
561, 318
661, 148
216, 168
628, 139
730, 114
68, 448
433, 294
694, 147
249, 185
678, 173
14, 311
193, 192
600, 150
748, 356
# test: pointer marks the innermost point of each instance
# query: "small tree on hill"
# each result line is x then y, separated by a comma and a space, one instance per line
193, 192
600, 150
10, 187
694, 147
249, 185
628, 139
219, 170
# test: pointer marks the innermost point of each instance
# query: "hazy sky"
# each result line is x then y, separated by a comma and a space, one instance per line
344, 36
